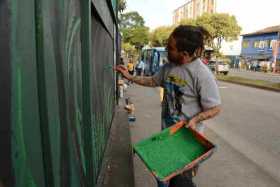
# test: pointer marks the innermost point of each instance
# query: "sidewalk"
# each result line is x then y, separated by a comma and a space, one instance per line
148, 109
117, 168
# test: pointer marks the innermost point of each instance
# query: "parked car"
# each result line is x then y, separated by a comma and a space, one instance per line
218, 67
212, 65
222, 67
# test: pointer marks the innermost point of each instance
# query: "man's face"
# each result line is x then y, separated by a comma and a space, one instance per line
173, 54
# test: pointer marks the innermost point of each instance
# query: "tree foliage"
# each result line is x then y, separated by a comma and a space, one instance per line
136, 36
129, 49
131, 20
134, 32
187, 22
121, 5
160, 35
221, 27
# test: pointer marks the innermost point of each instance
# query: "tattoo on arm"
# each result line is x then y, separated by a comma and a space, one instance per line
208, 114
144, 81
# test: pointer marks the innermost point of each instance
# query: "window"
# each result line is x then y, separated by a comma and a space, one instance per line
245, 44
256, 44
263, 44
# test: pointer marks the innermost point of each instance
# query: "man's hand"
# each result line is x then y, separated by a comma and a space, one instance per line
192, 123
144, 81
207, 114
123, 70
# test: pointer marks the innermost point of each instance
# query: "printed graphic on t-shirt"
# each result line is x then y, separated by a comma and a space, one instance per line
172, 103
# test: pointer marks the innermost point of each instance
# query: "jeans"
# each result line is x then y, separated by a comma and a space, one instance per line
182, 180
161, 184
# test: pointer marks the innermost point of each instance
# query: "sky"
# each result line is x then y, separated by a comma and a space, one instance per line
251, 15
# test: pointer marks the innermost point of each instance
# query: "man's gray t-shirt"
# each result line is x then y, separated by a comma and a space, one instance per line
188, 90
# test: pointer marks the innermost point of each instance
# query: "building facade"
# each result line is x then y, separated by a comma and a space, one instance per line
261, 46
193, 9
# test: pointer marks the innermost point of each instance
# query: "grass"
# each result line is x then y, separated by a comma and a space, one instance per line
250, 82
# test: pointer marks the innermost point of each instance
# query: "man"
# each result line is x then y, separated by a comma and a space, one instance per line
190, 89
140, 68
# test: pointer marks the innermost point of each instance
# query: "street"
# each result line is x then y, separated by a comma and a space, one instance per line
275, 78
246, 133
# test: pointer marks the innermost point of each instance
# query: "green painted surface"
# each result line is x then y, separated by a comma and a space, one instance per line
164, 153
63, 93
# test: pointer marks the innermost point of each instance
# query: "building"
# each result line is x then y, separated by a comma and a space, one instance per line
193, 8
261, 46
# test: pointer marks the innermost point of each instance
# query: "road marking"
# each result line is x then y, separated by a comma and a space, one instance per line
223, 87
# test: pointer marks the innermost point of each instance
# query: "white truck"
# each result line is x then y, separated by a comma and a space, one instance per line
219, 67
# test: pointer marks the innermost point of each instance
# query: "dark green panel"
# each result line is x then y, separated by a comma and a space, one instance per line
63, 51
86, 88
62, 91
6, 177
27, 150
104, 12
103, 89
51, 88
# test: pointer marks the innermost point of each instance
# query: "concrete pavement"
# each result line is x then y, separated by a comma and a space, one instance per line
147, 103
117, 167
246, 151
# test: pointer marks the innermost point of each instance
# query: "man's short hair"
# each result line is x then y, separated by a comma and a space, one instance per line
190, 38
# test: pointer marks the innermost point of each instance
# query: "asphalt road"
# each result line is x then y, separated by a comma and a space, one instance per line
248, 137
275, 78
247, 134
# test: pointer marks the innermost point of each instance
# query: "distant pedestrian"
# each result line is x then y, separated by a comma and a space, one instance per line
130, 67
190, 89
140, 67
121, 61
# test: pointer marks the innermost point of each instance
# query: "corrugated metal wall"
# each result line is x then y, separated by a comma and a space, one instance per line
57, 90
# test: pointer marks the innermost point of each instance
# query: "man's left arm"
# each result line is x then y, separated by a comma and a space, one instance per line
205, 115
210, 99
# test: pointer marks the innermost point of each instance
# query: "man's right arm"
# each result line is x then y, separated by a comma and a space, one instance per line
144, 81
141, 80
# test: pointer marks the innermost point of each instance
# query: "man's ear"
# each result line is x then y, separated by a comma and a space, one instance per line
185, 53
198, 52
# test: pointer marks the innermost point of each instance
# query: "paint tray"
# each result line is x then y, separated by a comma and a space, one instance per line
167, 155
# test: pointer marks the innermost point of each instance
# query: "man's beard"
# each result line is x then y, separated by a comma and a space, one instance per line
176, 61
173, 60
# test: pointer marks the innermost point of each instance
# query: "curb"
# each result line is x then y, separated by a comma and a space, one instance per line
250, 85
117, 167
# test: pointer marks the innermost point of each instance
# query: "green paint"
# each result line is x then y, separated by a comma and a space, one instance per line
75, 26
164, 153
108, 67
19, 131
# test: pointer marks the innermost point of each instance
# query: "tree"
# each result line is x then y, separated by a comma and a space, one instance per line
131, 19
187, 22
121, 5
160, 36
133, 30
221, 26
129, 49
136, 36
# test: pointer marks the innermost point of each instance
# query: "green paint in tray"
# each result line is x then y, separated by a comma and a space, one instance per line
164, 153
